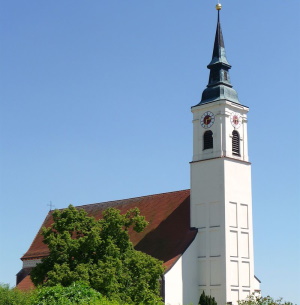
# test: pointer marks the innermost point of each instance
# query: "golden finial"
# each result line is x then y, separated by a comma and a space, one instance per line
218, 6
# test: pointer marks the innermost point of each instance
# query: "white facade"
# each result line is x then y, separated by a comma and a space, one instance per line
181, 280
221, 203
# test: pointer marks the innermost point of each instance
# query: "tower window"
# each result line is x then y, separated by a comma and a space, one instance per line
225, 75
208, 140
214, 76
235, 143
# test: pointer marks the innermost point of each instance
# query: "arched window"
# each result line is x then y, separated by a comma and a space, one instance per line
235, 143
208, 140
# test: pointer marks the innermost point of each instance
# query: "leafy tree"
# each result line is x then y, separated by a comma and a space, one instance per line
255, 299
11, 296
99, 253
207, 300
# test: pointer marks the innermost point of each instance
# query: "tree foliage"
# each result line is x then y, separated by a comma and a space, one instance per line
77, 293
255, 299
12, 296
206, 300
99, 253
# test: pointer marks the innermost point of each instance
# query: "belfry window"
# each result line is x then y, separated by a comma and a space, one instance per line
235, 143
208, 140
225, 75
214, 76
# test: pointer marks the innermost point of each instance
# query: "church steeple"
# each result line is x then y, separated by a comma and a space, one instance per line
219, 85
221, 198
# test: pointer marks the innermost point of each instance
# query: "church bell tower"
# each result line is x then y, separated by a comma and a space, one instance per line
221, 197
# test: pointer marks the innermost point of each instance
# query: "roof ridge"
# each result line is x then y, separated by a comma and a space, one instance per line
125, 199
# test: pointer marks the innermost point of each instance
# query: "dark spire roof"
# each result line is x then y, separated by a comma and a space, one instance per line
219, 85
219, 55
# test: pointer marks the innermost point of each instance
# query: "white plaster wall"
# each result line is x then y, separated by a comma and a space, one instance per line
174, 284
221, 206
221, 209
207, 186
31, 263
191, 292
222, 130
181, 281
241, 280
208, 215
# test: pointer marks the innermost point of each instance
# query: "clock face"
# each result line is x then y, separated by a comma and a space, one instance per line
236, 120
207, 119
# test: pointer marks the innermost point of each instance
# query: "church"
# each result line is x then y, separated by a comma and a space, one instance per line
204, 235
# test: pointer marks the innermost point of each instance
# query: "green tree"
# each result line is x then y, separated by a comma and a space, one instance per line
206, 300
99, 253
255, 299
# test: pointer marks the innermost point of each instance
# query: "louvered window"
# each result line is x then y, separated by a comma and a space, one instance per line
208, 140
235, 143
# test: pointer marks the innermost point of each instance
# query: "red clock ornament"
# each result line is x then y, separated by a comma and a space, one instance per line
236, 120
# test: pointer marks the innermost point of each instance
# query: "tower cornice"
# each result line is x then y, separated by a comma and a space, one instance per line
219, 102
224, 158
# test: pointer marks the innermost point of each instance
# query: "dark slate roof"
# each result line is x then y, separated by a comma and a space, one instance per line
166, 237
219, 85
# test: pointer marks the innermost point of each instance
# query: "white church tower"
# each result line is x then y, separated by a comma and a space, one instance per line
221, 199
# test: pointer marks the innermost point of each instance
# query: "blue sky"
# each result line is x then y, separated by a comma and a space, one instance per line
95, 105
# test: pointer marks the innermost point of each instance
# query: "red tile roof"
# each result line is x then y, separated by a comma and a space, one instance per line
26, 284
166, 237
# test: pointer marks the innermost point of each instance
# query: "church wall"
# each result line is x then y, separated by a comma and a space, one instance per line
173, 284
221, 209
208, 215
191, 292
181, 280
239, 231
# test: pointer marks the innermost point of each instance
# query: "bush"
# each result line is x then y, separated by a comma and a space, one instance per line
77, 293
12, 296
207, 300
255, 299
